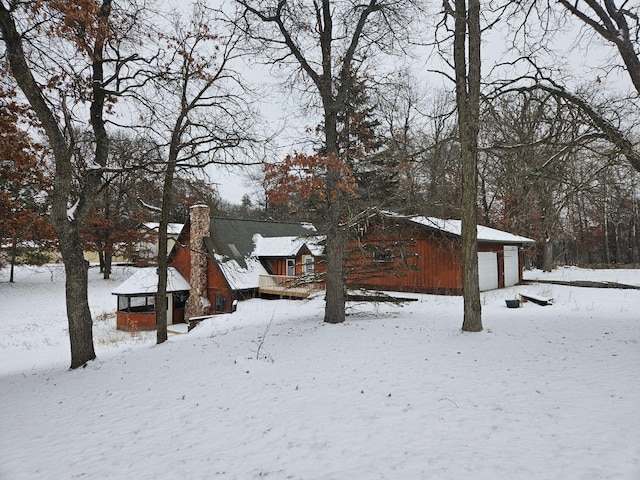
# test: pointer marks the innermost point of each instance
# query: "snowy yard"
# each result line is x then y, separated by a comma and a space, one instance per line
394, 393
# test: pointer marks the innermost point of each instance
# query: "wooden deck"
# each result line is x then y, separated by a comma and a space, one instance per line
286, 286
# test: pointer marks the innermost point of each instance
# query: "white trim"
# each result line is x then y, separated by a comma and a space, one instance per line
307, 264
291, 267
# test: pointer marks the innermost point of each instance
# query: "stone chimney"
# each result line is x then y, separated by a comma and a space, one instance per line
198, 304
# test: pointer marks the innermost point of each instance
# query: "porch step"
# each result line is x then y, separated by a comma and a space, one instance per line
177, 328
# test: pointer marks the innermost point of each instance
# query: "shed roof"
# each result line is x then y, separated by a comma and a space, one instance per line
449, 226
485, 234
145, 281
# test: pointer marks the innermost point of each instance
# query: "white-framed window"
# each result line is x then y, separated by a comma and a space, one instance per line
291, 267
307, 264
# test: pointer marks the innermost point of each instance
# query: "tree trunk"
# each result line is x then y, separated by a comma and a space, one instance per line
336, 243
467, 102
65, 224
336, 246
76, 282
108, 258
14, 247
163, 263
101, 259
547, 255
607, 252
635, 241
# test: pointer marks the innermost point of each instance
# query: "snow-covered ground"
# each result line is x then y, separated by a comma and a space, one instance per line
270, 391
569, 273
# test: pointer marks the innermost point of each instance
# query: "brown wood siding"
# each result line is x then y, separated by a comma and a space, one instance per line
217, 285
135, 321
420, 261
180, 257
520, 264
278, 266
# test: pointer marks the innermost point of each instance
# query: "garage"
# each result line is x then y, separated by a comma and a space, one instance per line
488, 270
511, 267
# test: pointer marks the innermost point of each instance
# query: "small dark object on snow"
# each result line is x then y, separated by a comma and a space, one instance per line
542, 301
513, 303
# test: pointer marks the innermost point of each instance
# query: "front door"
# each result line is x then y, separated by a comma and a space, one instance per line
169, 308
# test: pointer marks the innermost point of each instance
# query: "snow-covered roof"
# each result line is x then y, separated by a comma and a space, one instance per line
241, 278
485, 234
454, 227
172, 228
288, 246
145, 281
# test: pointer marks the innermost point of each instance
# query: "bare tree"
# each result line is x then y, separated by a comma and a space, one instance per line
466, 62
327, 43
198, 107
64, 56
618, 24
533, 141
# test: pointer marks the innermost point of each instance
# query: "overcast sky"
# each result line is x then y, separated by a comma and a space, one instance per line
575, 53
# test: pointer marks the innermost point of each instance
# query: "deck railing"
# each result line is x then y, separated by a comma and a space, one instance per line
286, 286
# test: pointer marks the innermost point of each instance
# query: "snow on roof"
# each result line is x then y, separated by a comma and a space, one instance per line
308, 226
145, 281
485, 234
172, 228
287, 246
241, 278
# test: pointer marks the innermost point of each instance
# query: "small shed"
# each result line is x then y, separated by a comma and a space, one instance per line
424, 254
137, 299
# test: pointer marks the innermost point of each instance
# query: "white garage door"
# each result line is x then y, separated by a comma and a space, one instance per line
511, 269
488, 270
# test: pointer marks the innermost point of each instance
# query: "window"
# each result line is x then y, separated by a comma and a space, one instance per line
291, 267
136, 304
123, 303
307, 264
180, 299
382, 256
221, 303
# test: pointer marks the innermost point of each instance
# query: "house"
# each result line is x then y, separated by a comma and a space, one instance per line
217, 261
423, 254
227, 260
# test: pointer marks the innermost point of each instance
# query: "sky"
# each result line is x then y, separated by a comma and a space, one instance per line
574, 53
